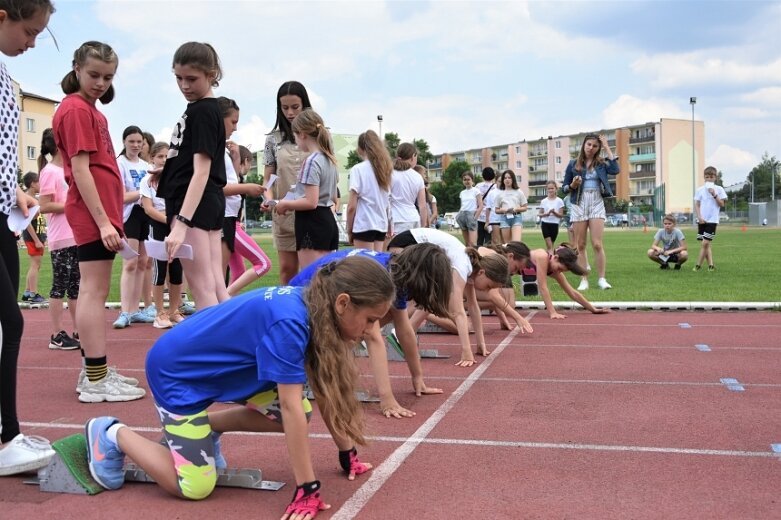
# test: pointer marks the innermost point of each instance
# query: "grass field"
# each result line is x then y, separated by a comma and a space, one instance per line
747, 268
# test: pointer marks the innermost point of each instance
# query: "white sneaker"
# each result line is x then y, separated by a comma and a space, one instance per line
603, 284
109, 389
112, 372
583, 285
588, 268
25, 453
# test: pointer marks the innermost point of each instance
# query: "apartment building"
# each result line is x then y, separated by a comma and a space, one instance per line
35, 117
657, 166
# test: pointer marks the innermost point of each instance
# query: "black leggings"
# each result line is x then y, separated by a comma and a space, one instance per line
12, 325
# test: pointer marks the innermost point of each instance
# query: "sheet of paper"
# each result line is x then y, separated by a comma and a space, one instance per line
664, 258
156, 249
126, 251
16, 221
291, 195
271, 181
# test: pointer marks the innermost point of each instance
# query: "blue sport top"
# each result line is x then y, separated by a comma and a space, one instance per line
231, 351
305, 277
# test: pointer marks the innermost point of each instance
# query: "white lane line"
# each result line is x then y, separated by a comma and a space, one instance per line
589, 381
775, 448
384, 471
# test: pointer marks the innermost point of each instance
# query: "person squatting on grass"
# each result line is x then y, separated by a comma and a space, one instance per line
95, 215
292, 335
21, 21
669, 246
421, 273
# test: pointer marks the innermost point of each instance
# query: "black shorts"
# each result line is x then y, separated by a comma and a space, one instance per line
94, 251
550, 230
317, 229
229, 232
137, 224
208, 215
370, 236
402, 240
706, 231
673, 258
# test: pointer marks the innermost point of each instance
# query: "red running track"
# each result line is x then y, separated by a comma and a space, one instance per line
614, 416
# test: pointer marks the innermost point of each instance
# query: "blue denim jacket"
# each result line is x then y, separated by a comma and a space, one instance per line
603, 170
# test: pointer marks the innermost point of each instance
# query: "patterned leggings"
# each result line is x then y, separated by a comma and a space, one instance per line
192, 445
66, 277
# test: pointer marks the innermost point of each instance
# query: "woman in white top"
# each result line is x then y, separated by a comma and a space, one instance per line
407, 188
136, 223
510, 203
550, 213
368, 209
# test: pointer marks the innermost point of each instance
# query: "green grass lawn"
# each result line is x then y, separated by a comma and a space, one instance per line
748, 269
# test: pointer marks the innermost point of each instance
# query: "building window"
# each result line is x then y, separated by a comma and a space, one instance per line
517, 164
518, 149
558, 160
30, 125
31, 152
558, 144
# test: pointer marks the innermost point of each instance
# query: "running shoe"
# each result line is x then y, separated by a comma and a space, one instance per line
106, 461
25, 453
122, 321
61, 341
112, 372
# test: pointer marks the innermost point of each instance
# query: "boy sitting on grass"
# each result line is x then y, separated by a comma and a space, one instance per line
669, 245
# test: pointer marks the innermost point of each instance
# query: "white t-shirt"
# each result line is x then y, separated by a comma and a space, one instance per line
405, 187
484, 187
151, 193
490, 204
232, 202
507, 199
469, 199
371, 213
546, 205
453, 247
709, 208
132, 173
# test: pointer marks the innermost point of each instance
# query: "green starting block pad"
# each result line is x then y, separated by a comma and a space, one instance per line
237, 478
68, 471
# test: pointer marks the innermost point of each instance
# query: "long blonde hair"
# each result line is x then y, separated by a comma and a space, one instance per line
330, 364
310, 123
378, 156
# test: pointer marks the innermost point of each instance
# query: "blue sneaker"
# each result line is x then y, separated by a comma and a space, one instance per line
151, 311
187, 309
219, 460
104, 457
122, 321
141, 317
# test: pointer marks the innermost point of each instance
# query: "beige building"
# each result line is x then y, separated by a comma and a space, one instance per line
35, 117
657, 166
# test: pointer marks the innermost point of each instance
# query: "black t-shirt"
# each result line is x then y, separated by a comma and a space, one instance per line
200, 130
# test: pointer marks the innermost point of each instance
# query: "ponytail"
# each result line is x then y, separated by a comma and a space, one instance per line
310, 123
404, 154
378, 157
91, 49
48, 147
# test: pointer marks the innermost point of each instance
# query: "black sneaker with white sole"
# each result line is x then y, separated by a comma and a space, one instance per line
62, 341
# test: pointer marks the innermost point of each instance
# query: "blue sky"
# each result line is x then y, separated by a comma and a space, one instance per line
458, 74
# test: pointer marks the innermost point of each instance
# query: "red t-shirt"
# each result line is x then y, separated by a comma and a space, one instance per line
80, 127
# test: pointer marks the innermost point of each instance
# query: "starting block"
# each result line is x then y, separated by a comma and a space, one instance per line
395, 352
430, 328
364, 396
68, 472
237, 478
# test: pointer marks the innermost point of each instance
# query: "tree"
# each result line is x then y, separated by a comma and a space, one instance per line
762, 176
424, 154
392, 143
253, 203
448, 190
352, 159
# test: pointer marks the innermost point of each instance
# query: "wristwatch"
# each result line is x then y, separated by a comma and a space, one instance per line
184, 220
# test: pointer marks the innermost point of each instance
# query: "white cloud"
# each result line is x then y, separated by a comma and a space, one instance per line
629, 110
768, 97
703, 67
734, 163
251, 133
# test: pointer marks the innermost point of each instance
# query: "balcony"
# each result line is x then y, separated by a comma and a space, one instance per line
642, 174
536, 182
642, 193
642, 157
538, 153
643, 139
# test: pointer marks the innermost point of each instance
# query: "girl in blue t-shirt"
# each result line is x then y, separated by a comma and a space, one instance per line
291, 335
421, 273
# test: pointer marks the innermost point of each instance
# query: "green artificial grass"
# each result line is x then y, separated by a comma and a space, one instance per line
747, 267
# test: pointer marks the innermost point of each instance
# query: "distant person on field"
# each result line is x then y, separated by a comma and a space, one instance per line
708, 202
551, 212
486, 187
669, 245
34, 236
471, 208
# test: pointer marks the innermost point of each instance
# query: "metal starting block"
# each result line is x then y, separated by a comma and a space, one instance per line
57, 478
364, 396
236, 478
395, 353
430, 328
